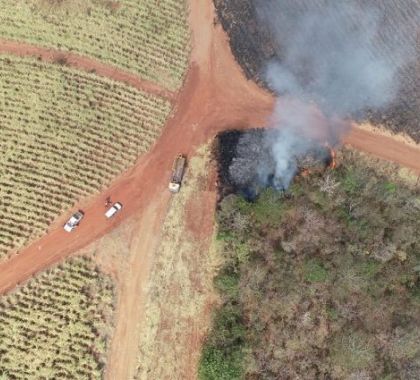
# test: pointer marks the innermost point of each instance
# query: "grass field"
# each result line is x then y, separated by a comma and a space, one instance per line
148, 37
322, 282
64, 135
57, 325
180, 287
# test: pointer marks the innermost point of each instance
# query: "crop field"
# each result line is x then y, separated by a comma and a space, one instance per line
147, 37
57, 325
64, 135
252, 42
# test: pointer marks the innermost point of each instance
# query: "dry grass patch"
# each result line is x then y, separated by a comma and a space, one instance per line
180, 291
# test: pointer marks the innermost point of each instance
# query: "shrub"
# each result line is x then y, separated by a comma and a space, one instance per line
315, 271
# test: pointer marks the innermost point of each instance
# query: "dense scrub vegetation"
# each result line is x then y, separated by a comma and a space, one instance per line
64, 135
322, 281
148, 37
57, 325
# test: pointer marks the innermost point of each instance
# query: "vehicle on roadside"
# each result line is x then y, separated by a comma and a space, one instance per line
116, 207
74, 221
177, 173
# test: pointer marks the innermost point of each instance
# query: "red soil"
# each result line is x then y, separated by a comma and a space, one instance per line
385, 147
216, 96
22, 49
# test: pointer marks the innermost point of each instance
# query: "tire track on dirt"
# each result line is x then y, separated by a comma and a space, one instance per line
90, 65
385, 147
216, 97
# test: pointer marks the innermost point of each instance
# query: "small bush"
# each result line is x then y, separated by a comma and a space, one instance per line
215, 364
228, 283
222, 356
315, 272
352, 352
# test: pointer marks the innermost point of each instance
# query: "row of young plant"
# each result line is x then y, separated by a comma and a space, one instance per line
58, 324
64, 135
148, 37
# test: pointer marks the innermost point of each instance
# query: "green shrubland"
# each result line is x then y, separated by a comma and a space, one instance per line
321, 281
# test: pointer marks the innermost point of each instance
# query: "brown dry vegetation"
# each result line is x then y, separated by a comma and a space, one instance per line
321, 282
180, 289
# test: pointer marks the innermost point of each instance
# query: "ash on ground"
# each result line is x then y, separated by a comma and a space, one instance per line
248, 163
386, 32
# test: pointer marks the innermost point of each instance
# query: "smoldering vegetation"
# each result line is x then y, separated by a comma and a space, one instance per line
340, 55
357, 58
249, 162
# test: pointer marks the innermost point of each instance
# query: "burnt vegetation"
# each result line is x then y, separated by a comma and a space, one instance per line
255, 43
246, 164
320, 281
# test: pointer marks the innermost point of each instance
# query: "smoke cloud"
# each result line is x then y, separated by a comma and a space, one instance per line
335, 60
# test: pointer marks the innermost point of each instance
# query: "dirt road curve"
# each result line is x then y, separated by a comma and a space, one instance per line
215, 97
87, 64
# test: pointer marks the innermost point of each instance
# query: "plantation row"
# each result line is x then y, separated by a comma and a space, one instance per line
64, 135
57, 325
148, 37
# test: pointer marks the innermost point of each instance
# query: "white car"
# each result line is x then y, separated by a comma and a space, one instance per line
113, 210
74, 221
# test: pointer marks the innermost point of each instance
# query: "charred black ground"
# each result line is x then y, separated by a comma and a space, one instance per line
253, 46
225, 151
242, 156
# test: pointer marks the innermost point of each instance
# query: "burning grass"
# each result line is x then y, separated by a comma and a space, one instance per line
247, 163
320, 281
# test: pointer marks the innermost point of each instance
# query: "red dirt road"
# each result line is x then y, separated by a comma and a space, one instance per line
385, 147
215, 97
22, 49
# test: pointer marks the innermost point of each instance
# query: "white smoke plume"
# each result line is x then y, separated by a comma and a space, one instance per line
336, 63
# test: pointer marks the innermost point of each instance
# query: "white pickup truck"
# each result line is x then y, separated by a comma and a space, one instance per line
74, 221
116, 207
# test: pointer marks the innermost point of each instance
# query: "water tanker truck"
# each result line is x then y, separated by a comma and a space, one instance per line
177, 173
